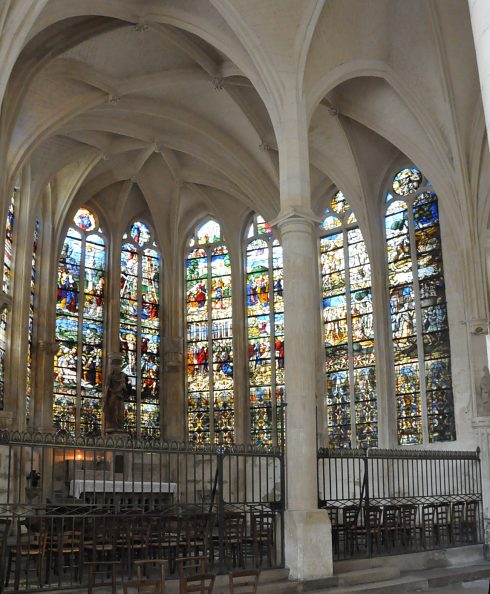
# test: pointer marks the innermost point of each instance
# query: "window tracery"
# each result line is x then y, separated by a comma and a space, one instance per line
139, 331
265, 329
209, 338
348, 329
418, 310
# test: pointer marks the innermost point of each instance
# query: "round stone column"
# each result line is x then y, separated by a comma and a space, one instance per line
308, 545
480, 23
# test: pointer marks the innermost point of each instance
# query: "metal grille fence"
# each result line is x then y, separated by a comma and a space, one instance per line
66, 503
395, 501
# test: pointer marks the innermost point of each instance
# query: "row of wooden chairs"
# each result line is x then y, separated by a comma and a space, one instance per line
48, 548
393, 527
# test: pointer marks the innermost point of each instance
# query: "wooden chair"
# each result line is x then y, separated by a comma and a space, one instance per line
234, 537
350, 527
165, 538
104, 568
66, 552
391, 526
191, 565
202, 583
442, 524
29, 547
471, 522
457, 522
196, 534
244, 581
262, 536
427, 528
143, 584
409, 531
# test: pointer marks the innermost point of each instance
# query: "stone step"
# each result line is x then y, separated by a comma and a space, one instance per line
409, 583
366, 576
439, 577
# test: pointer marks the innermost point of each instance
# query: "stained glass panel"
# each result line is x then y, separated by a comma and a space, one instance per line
140, 233
9, 245
139, 332
30, 331
407, 181
350, 378
209, 339
265, 307
79, 330
85, 220
419, 322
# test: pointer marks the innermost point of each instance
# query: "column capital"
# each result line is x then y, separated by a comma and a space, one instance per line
293, 216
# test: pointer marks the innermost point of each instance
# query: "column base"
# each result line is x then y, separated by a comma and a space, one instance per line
308, 544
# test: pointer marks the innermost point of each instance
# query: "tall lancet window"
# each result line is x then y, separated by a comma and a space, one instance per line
30, 330
265, 325
348, 329
140, 329
80, 305
418, 308
8, 255
210, 402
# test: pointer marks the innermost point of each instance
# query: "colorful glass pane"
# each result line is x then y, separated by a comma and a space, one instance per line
350, 378
140, 233
30, 329
85, 220
406, 181
209, 232
9, 245
263, 228
209, 340
139, 332
3, 351
420, 346
339, 203
79, 331
265, 307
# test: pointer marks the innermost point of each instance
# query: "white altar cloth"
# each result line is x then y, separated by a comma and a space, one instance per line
79, 486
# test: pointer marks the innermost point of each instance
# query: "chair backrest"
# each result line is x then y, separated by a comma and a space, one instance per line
442, 513
202, 583
428, 512
391, 516
191, 565
244, 581
333, 514
351, 515
471, 511
372, 516
150, 584
457, 512
408, 515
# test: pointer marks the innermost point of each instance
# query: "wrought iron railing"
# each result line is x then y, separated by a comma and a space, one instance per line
75, 500
397, 501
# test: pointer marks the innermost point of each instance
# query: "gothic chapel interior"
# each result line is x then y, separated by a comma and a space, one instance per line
273, 213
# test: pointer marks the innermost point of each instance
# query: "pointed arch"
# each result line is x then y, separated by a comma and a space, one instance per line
419, 323
139, 330
80, 318
265, 332
209, 337
347, 305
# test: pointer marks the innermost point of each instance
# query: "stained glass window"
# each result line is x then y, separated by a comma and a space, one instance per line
30, 329
348, 329
209, 338
139, 331
265, 324
80, 304
3, 349
9, 244
419, 324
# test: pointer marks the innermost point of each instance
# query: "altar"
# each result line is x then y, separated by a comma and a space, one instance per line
92, 485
